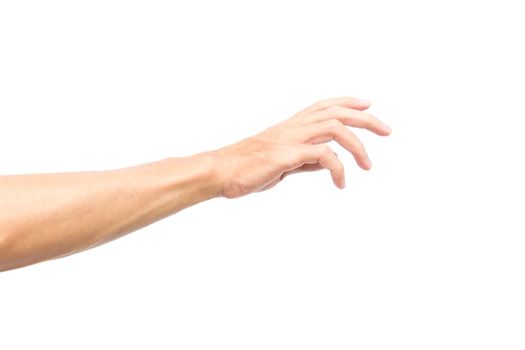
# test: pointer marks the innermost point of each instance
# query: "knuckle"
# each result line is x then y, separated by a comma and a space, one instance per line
356, 147
334, 124
333, 110
325, 150
369, 119
360, 151
321, 104
362, 155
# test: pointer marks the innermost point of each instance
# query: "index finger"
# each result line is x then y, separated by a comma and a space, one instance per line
344, 101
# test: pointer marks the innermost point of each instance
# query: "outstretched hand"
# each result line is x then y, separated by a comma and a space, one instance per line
295, 145
45, 216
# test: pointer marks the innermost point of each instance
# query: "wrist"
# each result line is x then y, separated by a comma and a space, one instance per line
195, 176
174, 183
207, 175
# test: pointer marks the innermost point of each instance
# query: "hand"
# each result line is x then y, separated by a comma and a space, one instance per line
295, 145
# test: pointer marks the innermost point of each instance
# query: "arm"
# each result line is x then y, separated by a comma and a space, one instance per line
45, 216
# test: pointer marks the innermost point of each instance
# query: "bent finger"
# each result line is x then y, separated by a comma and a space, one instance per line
334, 130
325, 157
351, 117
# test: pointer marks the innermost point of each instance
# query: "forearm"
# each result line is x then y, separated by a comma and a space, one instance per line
44, 216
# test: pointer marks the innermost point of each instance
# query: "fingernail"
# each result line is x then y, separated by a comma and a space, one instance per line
387, 128
365, 101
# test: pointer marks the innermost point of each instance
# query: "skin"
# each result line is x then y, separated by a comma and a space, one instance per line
47, 216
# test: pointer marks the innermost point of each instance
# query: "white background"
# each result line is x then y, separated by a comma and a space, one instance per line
426, 251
